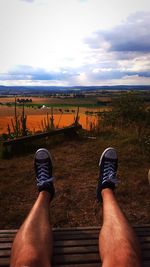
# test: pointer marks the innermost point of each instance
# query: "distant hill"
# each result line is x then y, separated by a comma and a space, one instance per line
36, 90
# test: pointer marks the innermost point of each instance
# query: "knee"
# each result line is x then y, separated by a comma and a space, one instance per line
30, 260
122, 258
34, 262
24, 262
130, 258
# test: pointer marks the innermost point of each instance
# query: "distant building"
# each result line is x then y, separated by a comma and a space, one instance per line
43, 107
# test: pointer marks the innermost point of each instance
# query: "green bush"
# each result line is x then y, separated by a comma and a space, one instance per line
128, 112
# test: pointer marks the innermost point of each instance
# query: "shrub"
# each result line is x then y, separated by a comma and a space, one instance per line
128, 112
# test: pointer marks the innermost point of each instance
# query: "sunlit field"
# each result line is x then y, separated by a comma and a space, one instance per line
34, 122
63, 115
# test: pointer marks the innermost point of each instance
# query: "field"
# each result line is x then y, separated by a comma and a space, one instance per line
64, 112
55, 101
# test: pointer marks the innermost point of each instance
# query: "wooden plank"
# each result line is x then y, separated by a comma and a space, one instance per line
94, 227
71, 243
5, 245
73, 237
144, 264
6, 239
145, 246
62, 250
88, 249
141, 225
4, 262
64, 238
74, 259
74, 242
5, 253
76, 232
76, 235
59, 234
8, 231
74, 250
144, 239
81, 235
78, 228
145, 255
8, 235
79, 258
66, 243
80, 265
42, 135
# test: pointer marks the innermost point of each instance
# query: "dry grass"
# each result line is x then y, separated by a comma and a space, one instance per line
76, 171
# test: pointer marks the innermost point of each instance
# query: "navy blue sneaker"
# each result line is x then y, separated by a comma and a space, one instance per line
108, 165
43, 170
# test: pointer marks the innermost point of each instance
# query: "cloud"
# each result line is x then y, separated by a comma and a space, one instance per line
122, 53
83, 1
23, 72
117, 74
71, 77
131, 36
28, 1
118, 55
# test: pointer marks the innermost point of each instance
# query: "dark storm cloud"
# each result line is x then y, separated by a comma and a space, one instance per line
131, 36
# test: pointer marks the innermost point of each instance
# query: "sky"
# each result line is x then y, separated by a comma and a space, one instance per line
74, 42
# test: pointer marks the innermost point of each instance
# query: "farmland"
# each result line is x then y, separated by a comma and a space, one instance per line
63, 106
64, 111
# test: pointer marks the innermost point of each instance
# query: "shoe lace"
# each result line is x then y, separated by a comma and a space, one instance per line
43, 172
109, 172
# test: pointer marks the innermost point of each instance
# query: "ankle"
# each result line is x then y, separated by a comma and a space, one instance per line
106, 191
45, 195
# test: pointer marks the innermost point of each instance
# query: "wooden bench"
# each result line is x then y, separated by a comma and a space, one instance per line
75, 247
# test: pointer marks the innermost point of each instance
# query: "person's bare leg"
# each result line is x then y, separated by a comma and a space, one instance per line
33, 243
118, 244
32, 246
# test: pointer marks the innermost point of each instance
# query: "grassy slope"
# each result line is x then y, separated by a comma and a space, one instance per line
76, 170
